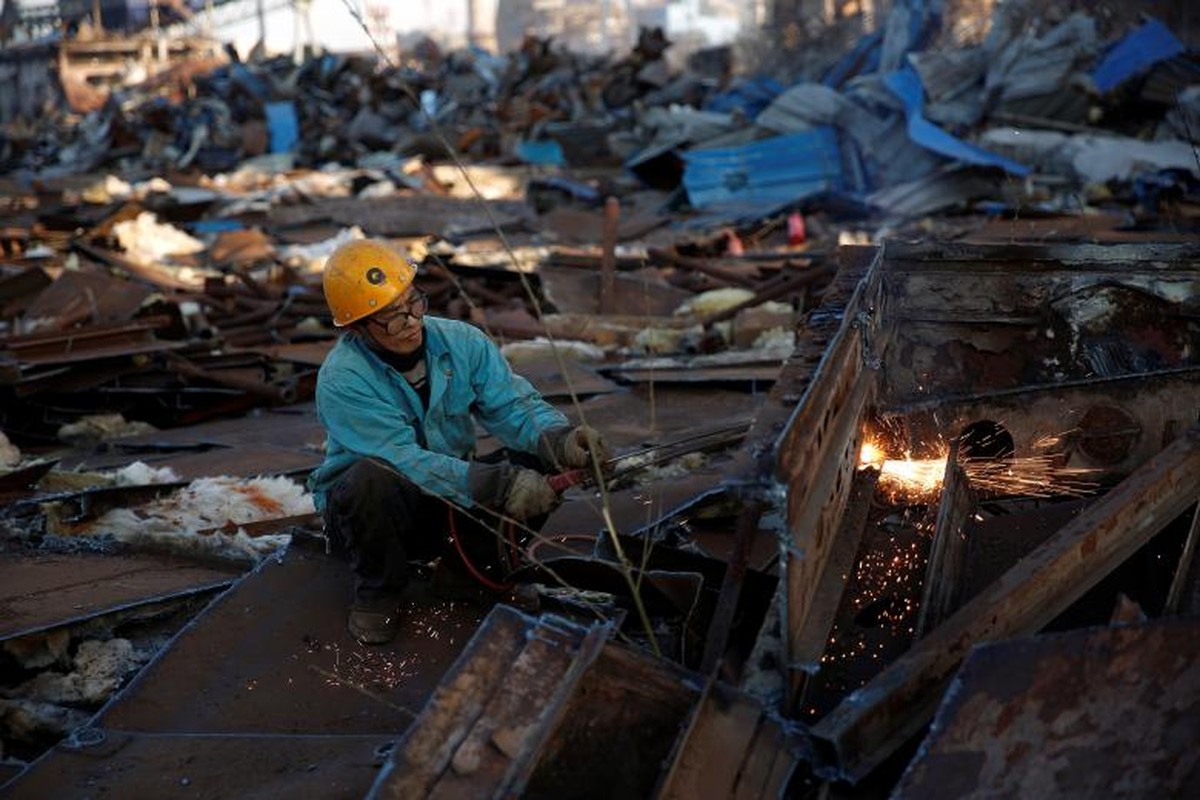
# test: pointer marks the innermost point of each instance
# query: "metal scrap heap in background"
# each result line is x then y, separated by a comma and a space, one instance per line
894, 327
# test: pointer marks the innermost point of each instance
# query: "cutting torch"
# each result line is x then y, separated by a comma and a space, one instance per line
623, 465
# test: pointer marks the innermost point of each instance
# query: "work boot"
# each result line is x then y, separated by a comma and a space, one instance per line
375, 621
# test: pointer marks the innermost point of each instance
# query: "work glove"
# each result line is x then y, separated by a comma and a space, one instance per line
577, 445
529, 495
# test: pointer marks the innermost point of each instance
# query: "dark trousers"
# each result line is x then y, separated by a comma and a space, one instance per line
386, 522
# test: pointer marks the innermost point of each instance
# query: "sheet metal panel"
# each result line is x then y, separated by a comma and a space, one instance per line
273, 656
149, 765
1140, 50
1108, 712
45, 590
776, 170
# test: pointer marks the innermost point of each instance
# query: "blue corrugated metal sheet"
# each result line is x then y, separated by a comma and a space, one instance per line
1143, 48
771, 171
747, 97
862, 59
545, 152
906, 85
283, 125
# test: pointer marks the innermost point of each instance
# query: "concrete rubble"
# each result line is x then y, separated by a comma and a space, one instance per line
896, 328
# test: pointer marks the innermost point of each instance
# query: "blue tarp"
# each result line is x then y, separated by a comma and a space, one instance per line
217, 226
863, 59
910, 26
906, 85
749, 97
770, 172
546, 152
1141, 49
283, 126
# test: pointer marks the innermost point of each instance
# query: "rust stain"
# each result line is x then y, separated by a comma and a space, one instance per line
1088, 546
260, 499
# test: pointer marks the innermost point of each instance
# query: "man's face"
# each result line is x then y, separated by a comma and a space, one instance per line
400, 327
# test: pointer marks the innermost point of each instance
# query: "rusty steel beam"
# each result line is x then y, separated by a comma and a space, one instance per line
480, 733
92, 342
873, 722
608, 256
946, 569
1184, 594
817, 456
284, 392
154, 276
843, 553
754, 464
704, 266
731, 584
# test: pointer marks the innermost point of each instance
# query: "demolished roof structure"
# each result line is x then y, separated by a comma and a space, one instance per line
897, 349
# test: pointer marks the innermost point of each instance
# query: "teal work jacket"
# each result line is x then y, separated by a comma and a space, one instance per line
369, 410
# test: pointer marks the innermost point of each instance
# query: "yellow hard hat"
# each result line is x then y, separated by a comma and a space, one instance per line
362, 277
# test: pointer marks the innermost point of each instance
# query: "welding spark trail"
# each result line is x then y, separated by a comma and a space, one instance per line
920, 479
340, 681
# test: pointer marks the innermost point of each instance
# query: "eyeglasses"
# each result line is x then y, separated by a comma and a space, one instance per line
415, 307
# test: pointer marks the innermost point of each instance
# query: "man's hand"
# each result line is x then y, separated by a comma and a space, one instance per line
578, 445
529, 495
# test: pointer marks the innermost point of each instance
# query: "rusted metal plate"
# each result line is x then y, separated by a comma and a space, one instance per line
995, 543
8, 772
1108, 712
405, 216
244, 446
873, 722
745, 373
1184, 594
42, 591
90, 344
273, 656
19, 289
555, 381
578, 291
969, 319
1099, 228
633, 509
22, 481
310, 353
95, 297
1155, 406
123, 764
830, 596
946, 569
618, 728
731, 749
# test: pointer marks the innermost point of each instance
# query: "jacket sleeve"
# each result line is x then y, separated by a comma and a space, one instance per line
508, 405
364, 421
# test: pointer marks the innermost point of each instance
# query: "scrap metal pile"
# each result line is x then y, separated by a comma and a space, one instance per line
897, 345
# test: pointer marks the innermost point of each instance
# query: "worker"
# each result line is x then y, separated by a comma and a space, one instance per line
399, 396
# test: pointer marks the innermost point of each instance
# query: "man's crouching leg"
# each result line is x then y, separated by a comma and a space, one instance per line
375, 512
